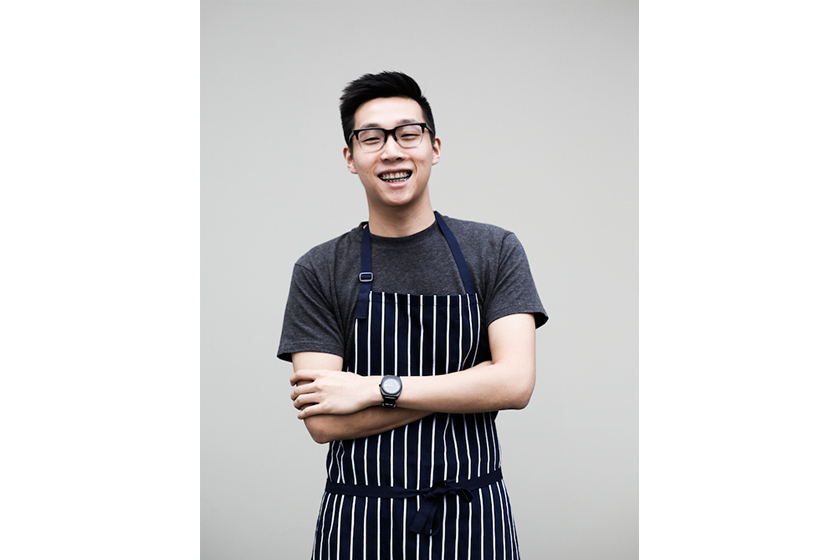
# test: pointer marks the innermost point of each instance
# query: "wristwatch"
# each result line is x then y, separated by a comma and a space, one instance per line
390, 387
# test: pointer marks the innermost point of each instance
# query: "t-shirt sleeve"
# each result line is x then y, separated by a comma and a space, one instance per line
514, 290
311, 323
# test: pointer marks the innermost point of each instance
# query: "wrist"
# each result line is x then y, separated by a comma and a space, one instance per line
374, 393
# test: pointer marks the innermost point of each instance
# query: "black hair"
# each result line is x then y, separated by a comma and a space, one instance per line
375, 86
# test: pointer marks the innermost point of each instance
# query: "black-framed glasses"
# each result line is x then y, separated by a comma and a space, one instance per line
407, 135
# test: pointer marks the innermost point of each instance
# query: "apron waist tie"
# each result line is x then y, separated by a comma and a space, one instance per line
427, 518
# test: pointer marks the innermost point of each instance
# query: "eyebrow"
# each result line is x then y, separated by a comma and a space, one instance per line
377, 125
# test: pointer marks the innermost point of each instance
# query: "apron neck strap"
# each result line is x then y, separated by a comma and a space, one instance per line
365, 276
466, 277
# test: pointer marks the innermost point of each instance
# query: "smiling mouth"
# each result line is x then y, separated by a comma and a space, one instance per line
395, 177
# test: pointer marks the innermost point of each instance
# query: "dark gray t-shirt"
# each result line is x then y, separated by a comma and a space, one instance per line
320, 311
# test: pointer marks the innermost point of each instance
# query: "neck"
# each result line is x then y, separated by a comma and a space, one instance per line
401, 222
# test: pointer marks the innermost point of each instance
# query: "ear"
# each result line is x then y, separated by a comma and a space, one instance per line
348, 158
436, 150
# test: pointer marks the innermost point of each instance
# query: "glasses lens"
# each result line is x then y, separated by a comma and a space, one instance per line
371, 140
410, 135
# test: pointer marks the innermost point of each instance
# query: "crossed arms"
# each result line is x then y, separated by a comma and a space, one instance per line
338, 405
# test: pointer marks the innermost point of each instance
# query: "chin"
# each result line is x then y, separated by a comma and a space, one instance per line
398, 199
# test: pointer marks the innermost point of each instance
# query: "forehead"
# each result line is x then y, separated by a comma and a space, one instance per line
388, 112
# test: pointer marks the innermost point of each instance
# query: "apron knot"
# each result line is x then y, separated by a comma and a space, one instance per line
427, 519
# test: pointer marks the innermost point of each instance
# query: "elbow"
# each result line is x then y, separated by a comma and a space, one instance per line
318, 430
318, 437
520, 400
519, 405
520, 395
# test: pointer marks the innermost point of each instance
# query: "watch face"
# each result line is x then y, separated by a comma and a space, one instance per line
391, 386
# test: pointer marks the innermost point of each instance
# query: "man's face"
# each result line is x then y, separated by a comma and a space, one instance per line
374, 168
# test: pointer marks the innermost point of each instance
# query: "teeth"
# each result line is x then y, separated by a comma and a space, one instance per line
402, 175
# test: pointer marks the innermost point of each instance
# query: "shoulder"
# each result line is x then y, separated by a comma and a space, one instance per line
329, 253
475, 228
481, 237
500, 269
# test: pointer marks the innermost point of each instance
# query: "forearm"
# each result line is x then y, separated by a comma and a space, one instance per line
368, 422
505, 382
483, 388
486, 387
496, 386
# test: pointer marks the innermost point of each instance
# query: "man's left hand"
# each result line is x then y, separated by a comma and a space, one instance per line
320, 391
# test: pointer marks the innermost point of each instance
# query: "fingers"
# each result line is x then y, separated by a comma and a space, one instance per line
302, 389
303, 401
325, 391
310, 410
303, 394
303, 376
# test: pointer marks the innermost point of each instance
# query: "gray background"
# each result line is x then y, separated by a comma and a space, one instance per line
536, 104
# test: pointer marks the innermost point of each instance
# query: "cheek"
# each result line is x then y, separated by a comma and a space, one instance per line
364, 167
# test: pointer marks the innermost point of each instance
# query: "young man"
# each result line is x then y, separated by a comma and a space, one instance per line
407, 335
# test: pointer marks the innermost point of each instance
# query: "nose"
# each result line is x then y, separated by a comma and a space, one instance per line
391, 149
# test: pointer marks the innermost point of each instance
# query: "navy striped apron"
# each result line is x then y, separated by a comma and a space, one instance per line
432, 489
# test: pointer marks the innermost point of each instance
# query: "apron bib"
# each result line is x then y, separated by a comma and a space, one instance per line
433, 488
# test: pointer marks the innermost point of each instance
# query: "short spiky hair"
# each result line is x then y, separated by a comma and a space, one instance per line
375, 86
